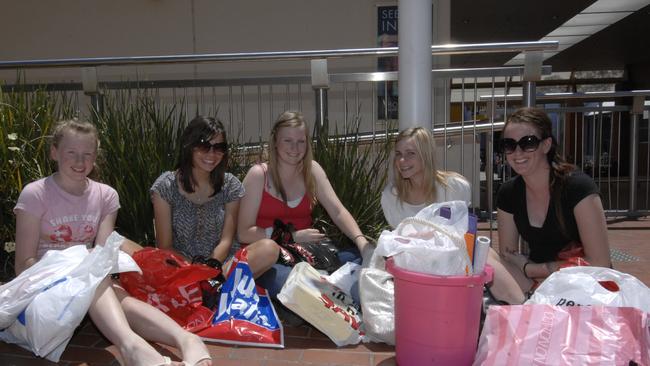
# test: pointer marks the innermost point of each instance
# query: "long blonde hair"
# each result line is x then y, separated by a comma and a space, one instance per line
425, 151
291, 119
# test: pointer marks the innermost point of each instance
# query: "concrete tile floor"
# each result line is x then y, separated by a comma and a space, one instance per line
305, 345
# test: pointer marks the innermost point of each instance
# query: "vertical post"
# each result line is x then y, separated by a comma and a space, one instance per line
414, 39
637, 111
320, 82
91, 88
529, 94
322, 124
532, 73
489, 175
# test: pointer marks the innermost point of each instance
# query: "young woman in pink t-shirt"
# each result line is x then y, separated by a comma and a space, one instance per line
68, 208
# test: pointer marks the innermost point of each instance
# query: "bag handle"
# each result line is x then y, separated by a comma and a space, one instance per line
416, 220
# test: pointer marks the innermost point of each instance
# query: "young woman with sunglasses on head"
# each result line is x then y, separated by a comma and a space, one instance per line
416, 182
550, 204
196, 205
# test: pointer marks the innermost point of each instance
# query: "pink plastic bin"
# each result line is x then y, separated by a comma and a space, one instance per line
436, 317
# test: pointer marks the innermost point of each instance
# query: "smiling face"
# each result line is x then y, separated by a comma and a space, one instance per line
407, 159
291, 145
208, 160
75, 154
523, 162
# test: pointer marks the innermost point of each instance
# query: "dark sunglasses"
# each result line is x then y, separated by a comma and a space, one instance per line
528, 143
206, 146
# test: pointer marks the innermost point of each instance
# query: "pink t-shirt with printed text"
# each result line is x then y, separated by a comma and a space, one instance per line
66, 219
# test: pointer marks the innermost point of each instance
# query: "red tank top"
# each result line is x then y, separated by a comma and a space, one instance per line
272, 208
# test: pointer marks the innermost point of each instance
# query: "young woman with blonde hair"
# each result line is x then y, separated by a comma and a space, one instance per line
287, 188
68, 208
416, 181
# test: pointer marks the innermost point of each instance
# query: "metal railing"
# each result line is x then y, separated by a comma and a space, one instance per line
465, 135
448, 49
600, 133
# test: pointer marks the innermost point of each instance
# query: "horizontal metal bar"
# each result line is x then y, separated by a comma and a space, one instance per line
540, 83
273, 80
617, 213
487, 72
448, 49
587, 109
365, 137
468, 126
563, 96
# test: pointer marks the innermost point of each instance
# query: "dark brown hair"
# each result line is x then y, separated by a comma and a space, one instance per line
199, 130
560, 169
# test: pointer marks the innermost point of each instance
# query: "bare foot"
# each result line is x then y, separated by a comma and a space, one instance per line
194, 351
140, 353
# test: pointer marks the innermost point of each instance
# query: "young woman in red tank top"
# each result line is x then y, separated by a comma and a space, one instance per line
287, 188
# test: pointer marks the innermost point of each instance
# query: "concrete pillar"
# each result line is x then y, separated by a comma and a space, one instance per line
414, 63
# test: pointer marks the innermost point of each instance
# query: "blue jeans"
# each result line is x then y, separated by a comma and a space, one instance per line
273, 279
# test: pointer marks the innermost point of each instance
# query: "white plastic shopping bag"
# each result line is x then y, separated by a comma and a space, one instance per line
323, 305
377, 289
432, 242
345, 277
53, 306
585, 285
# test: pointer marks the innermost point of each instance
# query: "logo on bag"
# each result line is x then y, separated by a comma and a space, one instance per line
566, 302
350, 314
544, 338
240, 300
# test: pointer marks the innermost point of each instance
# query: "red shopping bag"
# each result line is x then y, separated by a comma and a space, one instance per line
171, 284
571, 256
555, 335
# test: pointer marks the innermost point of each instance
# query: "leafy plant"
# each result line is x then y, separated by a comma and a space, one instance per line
357, 171
139, 141
26, 121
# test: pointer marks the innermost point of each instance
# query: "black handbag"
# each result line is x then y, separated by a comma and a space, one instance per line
320, 254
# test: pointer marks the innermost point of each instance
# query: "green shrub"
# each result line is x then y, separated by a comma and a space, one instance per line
139, 141
26, 120
358, 172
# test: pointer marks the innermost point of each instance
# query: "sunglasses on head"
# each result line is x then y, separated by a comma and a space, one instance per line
205, 147
528, 143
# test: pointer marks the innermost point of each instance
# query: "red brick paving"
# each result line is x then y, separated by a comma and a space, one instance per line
305, 345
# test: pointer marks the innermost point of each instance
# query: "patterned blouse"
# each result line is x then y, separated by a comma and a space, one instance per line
196, 228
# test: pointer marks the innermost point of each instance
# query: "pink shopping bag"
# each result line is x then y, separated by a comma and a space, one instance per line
554, 335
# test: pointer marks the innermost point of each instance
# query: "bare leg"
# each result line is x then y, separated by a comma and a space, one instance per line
129, 246
262, 255
509, 282
154, 325
107, 314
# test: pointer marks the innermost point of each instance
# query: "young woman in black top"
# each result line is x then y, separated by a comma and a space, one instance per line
553, 206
